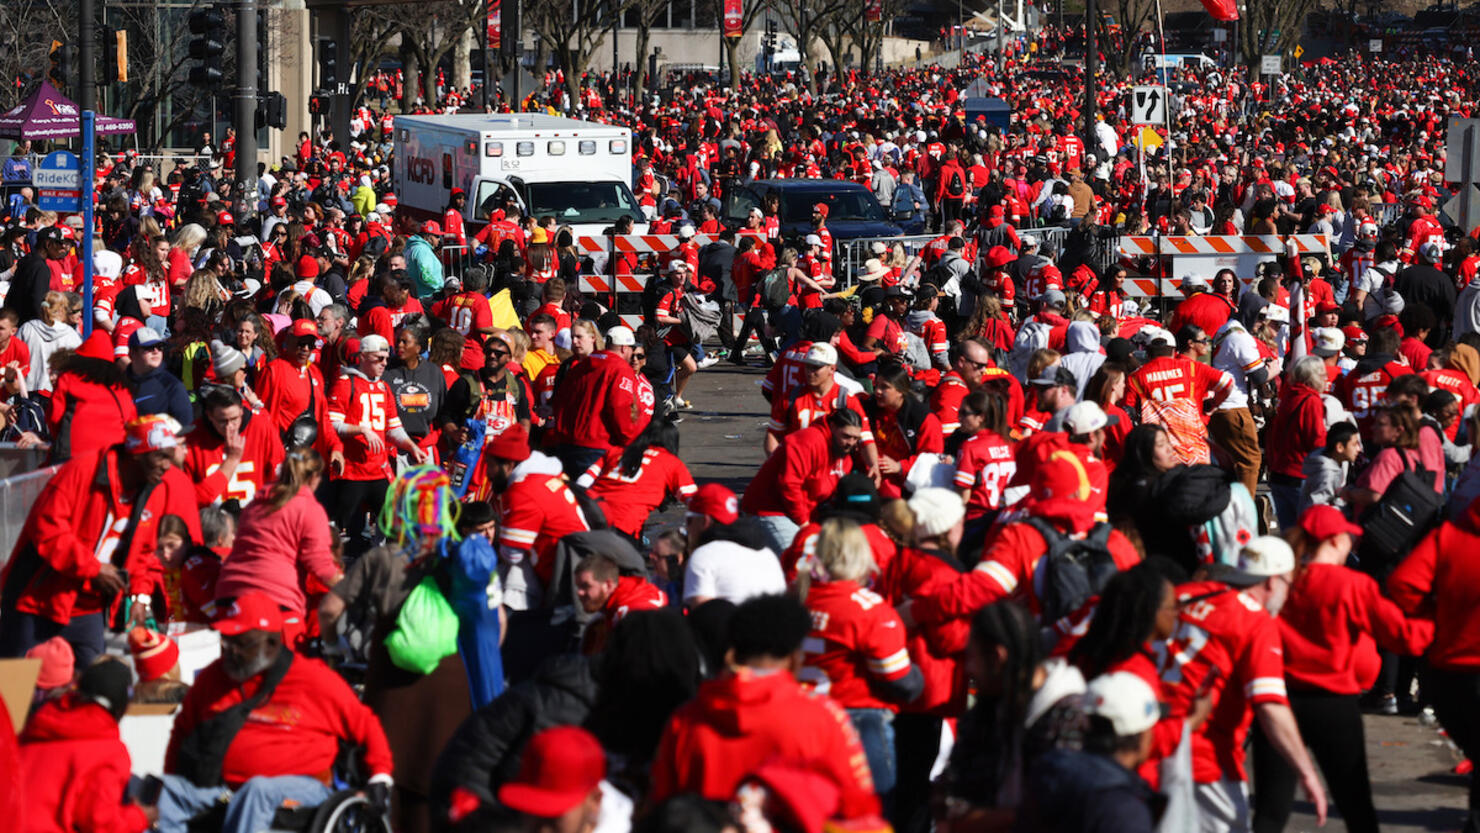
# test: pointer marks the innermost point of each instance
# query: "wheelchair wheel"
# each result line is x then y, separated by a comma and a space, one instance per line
349, 812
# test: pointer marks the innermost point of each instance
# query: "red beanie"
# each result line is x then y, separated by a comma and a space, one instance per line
308, 267
512, 444
154, 653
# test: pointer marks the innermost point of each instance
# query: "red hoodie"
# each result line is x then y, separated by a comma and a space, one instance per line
742, 720
76, 772
1442, 577
595, 404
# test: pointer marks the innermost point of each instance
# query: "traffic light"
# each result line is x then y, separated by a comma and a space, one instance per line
115, 56
771, 33
318, 105
275, 110
208, 26
63, 63
328, 63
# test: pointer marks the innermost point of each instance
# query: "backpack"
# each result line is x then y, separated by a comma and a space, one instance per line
1073, 570
1408, 510
775, 289
955, 185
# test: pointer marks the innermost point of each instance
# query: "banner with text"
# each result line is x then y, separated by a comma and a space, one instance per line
495, 24
734, 18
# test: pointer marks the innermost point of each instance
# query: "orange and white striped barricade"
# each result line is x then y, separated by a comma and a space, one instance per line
1205, 256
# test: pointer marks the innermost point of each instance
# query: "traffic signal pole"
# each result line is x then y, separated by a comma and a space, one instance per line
246, 106
87, 54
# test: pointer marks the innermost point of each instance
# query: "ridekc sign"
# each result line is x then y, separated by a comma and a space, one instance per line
58, 181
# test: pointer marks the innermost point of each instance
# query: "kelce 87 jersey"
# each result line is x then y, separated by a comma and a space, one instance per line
855, 636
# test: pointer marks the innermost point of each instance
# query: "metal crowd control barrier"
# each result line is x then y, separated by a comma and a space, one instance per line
456, 260
18, 493
1204, 256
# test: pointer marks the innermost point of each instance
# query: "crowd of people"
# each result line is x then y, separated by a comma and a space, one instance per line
1026, 551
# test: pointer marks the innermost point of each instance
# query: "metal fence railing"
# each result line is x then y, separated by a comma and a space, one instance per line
17, 495
456, 260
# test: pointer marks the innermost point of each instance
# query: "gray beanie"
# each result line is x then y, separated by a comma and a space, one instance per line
226, 358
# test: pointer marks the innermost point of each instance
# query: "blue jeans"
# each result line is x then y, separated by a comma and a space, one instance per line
875, 729
575, 459
1286, 499
250, 808
780, 531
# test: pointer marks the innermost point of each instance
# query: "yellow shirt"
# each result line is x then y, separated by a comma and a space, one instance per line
536, 361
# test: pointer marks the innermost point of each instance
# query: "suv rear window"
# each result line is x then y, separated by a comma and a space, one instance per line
796, 206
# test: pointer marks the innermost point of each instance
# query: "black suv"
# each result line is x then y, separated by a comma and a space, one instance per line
852, 210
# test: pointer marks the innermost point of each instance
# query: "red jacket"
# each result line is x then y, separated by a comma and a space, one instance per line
595, 404
74, 524
801, 473
99, 411
296, 732
1442, 576
286, 390
742, 720
1329, 625
1299, 428
934, 649
1204, 309
75, 771
205, 451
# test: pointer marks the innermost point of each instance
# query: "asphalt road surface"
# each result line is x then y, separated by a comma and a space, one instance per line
1410, 764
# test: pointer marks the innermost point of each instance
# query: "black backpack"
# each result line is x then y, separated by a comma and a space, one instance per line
1073, 570
955, 185
1392, 527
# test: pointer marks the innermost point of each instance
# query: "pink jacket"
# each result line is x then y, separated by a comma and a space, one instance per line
273, 548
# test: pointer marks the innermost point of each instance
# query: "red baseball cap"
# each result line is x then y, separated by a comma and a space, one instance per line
151, 432
512, 444
716, 502
279, 200
431, 227
1321, 522
302, 328
253, 611
308, 267
821, 208
1327, 306
1354, 332
560, 768
225, 219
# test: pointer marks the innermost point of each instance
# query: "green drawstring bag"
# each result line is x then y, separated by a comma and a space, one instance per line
426, 630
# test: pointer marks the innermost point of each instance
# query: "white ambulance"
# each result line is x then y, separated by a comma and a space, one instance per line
579, 172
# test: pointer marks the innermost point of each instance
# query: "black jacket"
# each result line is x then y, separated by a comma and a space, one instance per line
1081, 792
1423, 284
29, 285
485, 751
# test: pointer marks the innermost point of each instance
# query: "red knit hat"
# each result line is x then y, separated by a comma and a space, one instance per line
97, 346
58, 662
308, 267
512, 444
154, 653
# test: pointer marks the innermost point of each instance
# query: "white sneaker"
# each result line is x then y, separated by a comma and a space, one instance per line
708, 361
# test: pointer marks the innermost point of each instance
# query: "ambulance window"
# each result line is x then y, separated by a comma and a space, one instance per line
492, 195
524, 148
588, 148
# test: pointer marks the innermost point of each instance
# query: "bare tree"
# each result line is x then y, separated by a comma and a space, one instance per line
1262, 19
645, 14
27, 28
868, 36
751, 11
572, 30
808, 21
1133, 16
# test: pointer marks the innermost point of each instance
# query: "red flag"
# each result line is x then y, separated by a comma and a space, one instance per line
495, 24
1224, 10
873, 10
734, 18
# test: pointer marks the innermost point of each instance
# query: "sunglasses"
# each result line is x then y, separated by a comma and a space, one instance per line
639, 356
966, 413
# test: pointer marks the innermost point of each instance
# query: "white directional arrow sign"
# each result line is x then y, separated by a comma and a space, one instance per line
1149, 104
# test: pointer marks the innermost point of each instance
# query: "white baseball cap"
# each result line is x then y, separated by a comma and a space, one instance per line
374, 344
813, 240
1327, 341
821, 354
1265, 556
1125, 700
1194, 282
1087, 416
621, 336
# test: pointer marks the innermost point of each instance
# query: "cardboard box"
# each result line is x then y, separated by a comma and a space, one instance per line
17, 687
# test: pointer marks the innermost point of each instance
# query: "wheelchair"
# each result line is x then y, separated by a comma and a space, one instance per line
345, 811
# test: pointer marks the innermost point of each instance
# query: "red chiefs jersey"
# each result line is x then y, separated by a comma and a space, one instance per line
985, 465
810, 408
1457, 383
932, 331
1222, 628
535, 512
856, 636
468, 312
1172, 377
630, 499
785, 377
205, 450
669, 306
633, 594
355, 400
1109, 302
887, 334
1425, 230
1041, 278
1363, 393
798, 556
